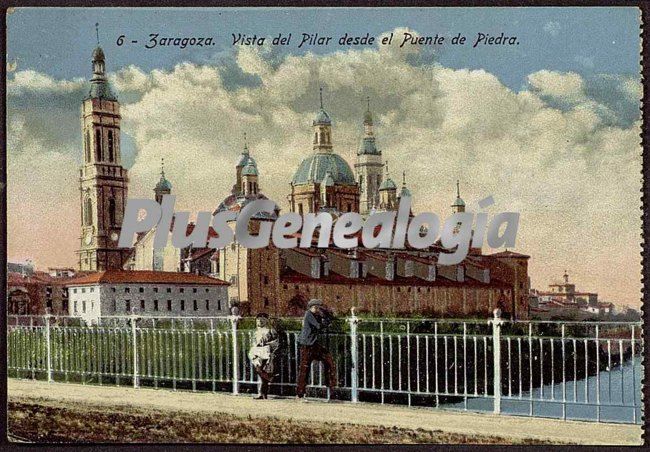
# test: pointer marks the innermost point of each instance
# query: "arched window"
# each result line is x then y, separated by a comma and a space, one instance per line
328, 137
361, 183
98, 145
88, 212
316, 138
111, 212
87, 147
111, 151
322, 137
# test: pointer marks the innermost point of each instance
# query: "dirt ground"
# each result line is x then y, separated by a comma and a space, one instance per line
41, 411
48, 421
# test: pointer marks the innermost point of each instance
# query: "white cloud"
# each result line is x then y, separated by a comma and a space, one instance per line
572, 173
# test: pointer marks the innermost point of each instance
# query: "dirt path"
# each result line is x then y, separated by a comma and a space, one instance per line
467, 424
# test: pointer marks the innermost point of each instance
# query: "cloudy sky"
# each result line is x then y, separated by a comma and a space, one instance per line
549, 127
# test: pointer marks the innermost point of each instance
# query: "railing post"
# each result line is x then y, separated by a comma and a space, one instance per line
48, 348
496, 349
354, 352
234, 319
136, 381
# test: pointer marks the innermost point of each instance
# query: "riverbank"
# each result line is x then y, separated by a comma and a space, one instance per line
68, 412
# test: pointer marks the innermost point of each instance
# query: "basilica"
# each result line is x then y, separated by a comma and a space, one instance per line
281, 281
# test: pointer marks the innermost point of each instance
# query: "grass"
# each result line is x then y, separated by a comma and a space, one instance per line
35, 420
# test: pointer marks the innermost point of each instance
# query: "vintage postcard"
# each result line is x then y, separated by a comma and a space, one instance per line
324, 225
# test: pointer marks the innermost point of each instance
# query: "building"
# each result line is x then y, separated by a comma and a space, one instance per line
562, 299
146, 293
233, 263
376, 281
37, 293
103, 181
368, 168
324, 180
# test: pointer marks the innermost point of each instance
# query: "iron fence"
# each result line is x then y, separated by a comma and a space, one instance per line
581, 370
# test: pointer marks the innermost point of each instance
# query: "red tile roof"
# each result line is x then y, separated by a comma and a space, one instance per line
144, 277
293, 277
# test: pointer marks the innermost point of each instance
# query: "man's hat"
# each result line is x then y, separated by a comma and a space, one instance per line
314, 302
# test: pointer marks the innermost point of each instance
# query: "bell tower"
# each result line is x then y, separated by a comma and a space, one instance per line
103, 182
368, 167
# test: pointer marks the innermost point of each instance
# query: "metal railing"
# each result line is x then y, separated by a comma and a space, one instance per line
581, 370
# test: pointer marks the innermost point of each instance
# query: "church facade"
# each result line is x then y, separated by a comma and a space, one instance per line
281, 281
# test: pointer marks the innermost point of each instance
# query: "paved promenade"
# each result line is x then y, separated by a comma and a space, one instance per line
362, 413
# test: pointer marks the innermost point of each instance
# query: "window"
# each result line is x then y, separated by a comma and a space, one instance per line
300, 208
127, 305
169, 290
207, 305
75, 306
266, 302
114, 305
83, 290
92, 289
169, 305
155, 305
182, 305
196, 306
266, 279
112, 289
155, 289
219, 305
111, 212
207, 290
194, 290
141, 289
92, 306
349, 207
111, 152
87, 147
83, 306
127, 290
181, 290
74, 290
98, 145
142, 304
88, 212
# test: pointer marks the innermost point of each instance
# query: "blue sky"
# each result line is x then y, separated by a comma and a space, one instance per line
58, 41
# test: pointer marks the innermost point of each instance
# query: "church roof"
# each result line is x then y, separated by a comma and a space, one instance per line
98, 54
458, 203
367, 146
315, 167
322, 117
101, 89
163, 183
250, 169
388, 184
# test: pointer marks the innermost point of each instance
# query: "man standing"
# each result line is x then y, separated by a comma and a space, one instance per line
311, 349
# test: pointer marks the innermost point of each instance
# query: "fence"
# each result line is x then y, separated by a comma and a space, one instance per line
567, 370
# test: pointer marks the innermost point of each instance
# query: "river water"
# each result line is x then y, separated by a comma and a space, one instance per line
619, 386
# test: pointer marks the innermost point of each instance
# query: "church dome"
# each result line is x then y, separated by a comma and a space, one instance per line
458, 203
322, 118
405, 192
246, 159
388, 184
315, 167
163, 183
